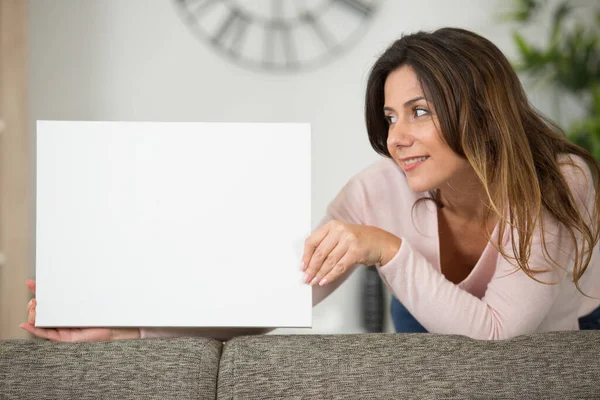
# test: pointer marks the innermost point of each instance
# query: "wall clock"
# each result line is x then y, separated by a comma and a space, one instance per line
279, 35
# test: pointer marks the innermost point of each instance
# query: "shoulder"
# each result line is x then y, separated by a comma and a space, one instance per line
381, 182
577, 175
573, 167
383, 174
374, 188
578, 178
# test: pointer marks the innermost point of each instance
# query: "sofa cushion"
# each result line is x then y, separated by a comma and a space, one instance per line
381, 366
132, 369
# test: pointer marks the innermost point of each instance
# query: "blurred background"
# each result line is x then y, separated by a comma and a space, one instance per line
201, 60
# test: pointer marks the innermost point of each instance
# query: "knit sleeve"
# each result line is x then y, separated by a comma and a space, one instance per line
347, 207
513, 303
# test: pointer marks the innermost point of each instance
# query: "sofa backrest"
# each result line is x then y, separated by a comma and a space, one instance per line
563, 365
556, 365
132, 369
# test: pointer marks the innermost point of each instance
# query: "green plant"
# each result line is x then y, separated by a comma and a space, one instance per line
569, 62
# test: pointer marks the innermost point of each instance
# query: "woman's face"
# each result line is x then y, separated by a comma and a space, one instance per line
414, 141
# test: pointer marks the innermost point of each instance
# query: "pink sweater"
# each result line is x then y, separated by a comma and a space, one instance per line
495, 301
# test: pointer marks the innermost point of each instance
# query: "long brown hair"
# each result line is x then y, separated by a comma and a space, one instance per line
485, 117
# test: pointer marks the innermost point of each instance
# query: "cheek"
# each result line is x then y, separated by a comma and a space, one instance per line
446, 163
453, 165
442, 152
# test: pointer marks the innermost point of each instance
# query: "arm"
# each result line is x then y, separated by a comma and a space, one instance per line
513, 303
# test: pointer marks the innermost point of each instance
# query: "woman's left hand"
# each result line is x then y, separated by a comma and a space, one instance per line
336, 246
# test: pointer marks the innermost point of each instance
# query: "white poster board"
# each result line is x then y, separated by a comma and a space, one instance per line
172, 224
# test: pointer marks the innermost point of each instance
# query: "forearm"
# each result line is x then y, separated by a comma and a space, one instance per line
513, 303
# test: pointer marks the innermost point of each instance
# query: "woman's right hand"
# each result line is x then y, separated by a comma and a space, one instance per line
73, 334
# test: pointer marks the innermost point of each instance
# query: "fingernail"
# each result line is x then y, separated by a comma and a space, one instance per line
314, 281
302, 266
323, 281
29, 304
306, 277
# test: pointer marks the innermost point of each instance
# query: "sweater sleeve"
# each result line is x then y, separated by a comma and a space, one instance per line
346, 207
513, 303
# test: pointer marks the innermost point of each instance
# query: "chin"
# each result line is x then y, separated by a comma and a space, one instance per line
420, 185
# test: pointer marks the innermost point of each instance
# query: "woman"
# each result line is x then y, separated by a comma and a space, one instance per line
481, 218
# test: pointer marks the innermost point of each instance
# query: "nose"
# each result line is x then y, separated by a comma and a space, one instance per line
399, 136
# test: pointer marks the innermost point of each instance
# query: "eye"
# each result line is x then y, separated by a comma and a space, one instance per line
390, 119
419, 112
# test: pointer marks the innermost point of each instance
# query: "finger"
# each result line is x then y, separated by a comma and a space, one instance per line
28, 327
312, 242
30, 285
31, 318
50, 334
319, 255
347, 261
330, 262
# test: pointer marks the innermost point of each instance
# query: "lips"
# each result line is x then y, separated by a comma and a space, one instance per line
414, 160
410, 163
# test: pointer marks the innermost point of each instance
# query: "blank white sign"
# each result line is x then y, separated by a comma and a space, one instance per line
172, 224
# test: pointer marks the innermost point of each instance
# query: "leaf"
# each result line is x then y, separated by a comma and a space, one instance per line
596, 99
532, 59
524, 10
586, 134
577, 64
523, 46
557, 19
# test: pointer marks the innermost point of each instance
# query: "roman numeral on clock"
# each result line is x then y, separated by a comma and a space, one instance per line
279, 46
358, 6
231, 32
323, 33
197, 6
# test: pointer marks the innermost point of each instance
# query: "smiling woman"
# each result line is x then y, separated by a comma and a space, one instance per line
510, 246
481, 218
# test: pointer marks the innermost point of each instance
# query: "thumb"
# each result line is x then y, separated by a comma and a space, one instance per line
30, 285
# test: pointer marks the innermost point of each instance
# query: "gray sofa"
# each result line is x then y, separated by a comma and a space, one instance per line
560, 365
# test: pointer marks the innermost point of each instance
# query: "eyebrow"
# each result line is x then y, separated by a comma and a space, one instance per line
408, 103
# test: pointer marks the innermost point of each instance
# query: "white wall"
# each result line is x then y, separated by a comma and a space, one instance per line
137, 60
